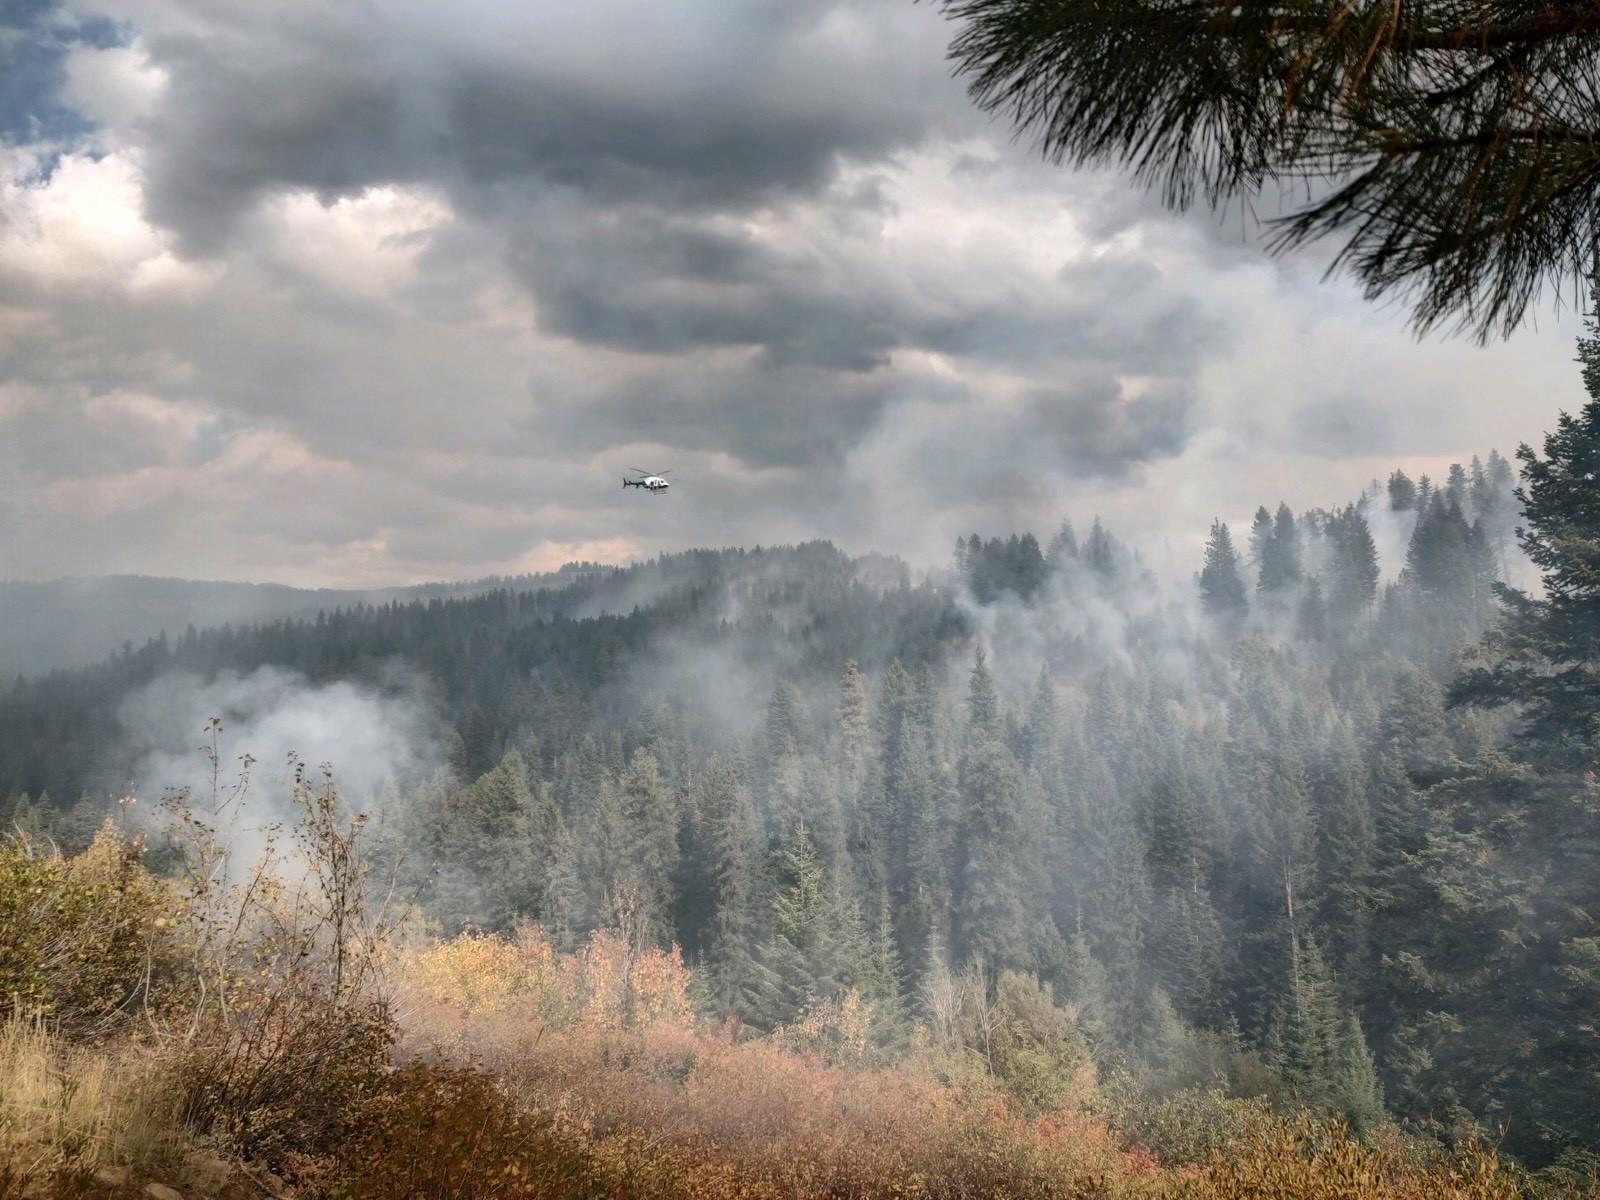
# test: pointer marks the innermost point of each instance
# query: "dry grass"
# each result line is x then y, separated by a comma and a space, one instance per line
67, 1111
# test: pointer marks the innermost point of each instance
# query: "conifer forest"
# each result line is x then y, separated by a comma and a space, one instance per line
1318, 826
799, 600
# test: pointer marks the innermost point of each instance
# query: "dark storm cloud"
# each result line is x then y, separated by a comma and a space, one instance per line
641, 281
1100, 429
1091, 430
762, 415
689, 106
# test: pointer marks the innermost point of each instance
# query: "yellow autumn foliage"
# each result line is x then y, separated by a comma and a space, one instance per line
608, 984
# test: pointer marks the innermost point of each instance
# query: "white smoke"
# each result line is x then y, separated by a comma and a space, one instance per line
371, 736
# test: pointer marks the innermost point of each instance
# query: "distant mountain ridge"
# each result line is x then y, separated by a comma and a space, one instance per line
77, 621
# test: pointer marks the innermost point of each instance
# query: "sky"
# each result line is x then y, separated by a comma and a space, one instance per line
368, 292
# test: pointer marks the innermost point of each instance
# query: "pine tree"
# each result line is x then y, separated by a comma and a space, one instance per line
1346, 848
1063, 549
1040, 742
1306, 1038
1311, 620
1480, 494
784, 725
1280, 561
1260, 541
1441, 561
816, 944
1354, 566
1358, 1092
729, 824
1402, 492
1107, 899
566, 913
1542, 657
1221, 589
1408, 112
855, 726
1100, 551
989, 914
650, 820
983, 703
1027, 566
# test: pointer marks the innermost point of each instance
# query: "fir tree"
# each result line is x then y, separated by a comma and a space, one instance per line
989, 914
1260, 540
565, 912
1402, 492
1063, 549
1221, 589
650, 820
1354, 565
1280, 561
1311, 619
1100, 551
1543, 655
729, 824
855, 726
784, 725
983, 703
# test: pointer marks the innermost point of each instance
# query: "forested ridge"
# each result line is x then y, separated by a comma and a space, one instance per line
1256, 832
76, 622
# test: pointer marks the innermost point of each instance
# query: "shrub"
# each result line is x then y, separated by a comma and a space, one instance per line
83, 941
276, 1081
1187, 1126
836, 1028
287, 1030
1302, 1158
434, 1132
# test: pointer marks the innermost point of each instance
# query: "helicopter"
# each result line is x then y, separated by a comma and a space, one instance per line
652, 481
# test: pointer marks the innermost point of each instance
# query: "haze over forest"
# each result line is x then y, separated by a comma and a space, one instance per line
1107, 683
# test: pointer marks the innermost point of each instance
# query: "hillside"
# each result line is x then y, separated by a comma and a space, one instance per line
1234, 825
66, 623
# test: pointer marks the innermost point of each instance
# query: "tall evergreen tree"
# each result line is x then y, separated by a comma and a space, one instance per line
650, 820
1354, 565
855, 726
1063, 549
1221, 589
1402, 492
983, 703
1260, 540
1545, 654
989, 916
1280, 561
1100, 551
1311, 618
